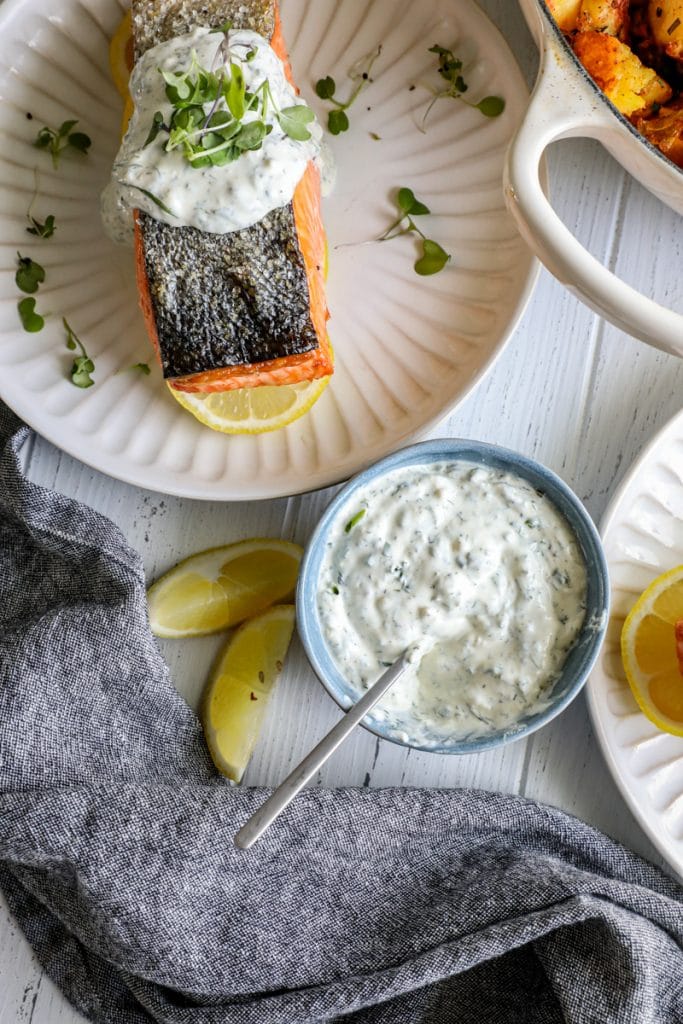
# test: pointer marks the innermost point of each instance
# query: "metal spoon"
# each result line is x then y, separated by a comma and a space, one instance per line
296, 780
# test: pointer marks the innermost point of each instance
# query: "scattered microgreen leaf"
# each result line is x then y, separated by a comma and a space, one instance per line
57, 140
434, 258
337, 122
450, 70
354, 520
83, 365
142, 367
491, 106
29, 276
326, 88
224, 28
44, 230
30, 320
375, 136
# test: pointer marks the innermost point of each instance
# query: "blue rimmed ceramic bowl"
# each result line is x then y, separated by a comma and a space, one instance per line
582, 655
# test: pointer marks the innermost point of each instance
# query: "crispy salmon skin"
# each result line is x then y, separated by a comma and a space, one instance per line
241, 309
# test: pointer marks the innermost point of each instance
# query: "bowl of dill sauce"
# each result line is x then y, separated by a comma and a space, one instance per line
482, 561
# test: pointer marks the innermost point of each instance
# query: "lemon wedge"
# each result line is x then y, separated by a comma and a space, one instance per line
220, 587
239, 689
252, 410
652, 651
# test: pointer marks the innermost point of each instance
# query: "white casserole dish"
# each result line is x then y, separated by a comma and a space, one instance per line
567, 103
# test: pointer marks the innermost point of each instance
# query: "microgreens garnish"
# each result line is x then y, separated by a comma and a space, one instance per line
57, 140
215, 117
450, 69
30, 320
142, 367
434, 258
337, 119
354, 520
29, 276
83, 365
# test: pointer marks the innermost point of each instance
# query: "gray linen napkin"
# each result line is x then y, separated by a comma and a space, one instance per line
384, 907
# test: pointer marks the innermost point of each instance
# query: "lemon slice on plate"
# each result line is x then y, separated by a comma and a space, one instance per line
240, 687
652, 651
252, 410
220, 587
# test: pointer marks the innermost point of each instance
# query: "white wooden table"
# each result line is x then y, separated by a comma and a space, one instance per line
569, 390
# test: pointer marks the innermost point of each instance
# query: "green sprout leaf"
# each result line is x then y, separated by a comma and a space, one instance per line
82, 366
235, 92
337, 122
142, 367
354, 520
293, 121
30, 320
29, 276
325, 88
408, 204
224, 28
433, 258
491, 106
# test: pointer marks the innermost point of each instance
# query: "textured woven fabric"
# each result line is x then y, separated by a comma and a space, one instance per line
381, 907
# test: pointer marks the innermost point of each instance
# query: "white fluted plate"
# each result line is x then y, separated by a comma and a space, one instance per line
407, 348
642, 533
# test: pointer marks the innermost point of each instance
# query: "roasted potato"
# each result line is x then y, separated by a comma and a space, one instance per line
666, 23
565, 13
610, 16
632, 87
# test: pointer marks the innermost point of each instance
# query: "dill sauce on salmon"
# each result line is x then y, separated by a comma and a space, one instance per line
474, 567
214, 199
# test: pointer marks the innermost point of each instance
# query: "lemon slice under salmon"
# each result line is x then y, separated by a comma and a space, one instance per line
652, 651
252, 410
240, 687
220, 587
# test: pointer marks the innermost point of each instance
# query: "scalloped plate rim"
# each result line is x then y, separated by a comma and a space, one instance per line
670, 849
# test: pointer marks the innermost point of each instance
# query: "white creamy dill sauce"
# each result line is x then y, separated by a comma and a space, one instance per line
216, 199
478, 569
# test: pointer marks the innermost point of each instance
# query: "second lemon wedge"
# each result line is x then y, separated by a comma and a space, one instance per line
241, 685
220, 587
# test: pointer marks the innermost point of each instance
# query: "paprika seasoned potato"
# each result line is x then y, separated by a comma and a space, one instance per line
633, 49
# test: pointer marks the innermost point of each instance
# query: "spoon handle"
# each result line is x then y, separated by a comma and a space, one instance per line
297, 779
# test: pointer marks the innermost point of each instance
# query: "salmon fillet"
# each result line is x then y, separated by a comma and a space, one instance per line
245, 308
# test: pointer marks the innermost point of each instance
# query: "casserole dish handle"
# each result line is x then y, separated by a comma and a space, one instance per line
560, 109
